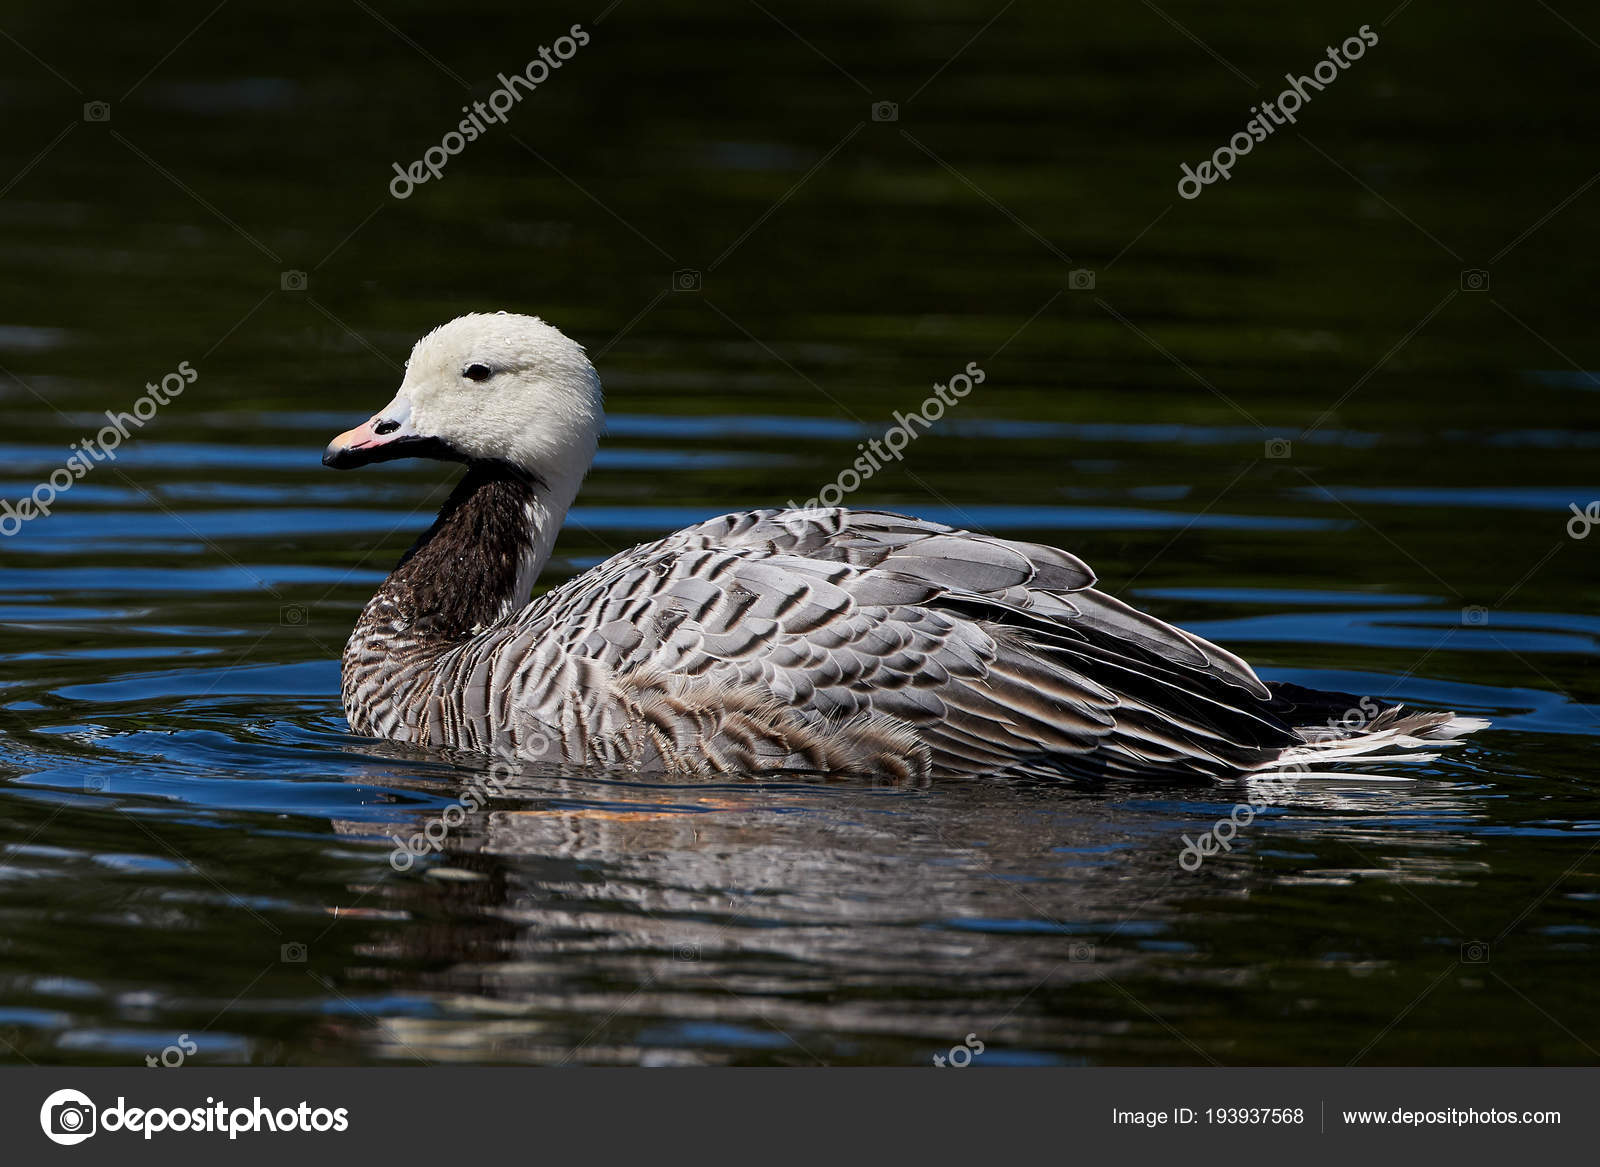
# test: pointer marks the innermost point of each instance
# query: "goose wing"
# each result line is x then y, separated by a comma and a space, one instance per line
991, 649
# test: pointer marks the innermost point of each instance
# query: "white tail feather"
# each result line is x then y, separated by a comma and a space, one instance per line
1393, 736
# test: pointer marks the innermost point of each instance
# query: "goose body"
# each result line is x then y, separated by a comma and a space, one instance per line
825, 640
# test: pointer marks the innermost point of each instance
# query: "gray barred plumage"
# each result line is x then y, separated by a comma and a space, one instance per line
830, 640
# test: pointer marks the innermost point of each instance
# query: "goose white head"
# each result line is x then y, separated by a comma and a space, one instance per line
489, 387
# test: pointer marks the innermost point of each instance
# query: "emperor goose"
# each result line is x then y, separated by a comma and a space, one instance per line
831, 640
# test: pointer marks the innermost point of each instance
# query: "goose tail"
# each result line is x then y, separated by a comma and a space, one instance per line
1339, 727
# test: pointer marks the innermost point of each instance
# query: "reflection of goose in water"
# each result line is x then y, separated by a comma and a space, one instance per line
826, 640
839, 912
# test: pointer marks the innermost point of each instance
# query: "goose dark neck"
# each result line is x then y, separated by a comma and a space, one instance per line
474, 564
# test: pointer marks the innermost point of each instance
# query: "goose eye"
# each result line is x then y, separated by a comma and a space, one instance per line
476, 372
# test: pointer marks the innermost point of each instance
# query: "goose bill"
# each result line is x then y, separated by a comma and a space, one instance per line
387, 435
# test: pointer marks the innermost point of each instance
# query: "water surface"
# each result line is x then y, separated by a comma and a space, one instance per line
1280, 418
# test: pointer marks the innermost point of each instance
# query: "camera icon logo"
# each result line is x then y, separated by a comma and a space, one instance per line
292, 281
1474, 279
689, 953
686, 279
1475, 952
1080, 279
1279, 448
68, 1117
885, 111
292, 614
292, 954
1475, 614
1080, 952
97, 111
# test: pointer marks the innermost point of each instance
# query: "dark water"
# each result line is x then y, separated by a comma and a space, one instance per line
1280, 417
